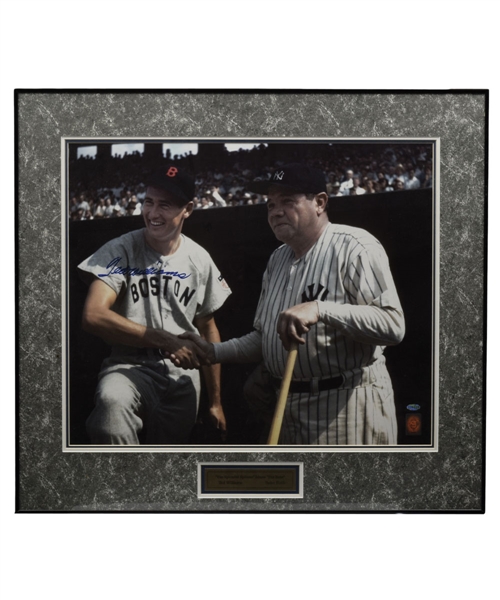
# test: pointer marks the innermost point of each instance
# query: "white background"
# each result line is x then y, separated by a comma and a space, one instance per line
240, 44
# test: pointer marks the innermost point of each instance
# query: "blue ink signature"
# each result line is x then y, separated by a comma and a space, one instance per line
114, 269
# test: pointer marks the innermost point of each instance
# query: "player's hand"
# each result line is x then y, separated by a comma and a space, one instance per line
206, 348
185, 354
297, 320
218, 419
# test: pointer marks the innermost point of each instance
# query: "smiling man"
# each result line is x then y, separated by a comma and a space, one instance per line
147, 287
329, 289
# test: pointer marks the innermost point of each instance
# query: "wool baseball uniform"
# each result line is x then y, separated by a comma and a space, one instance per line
347, 273
137, 387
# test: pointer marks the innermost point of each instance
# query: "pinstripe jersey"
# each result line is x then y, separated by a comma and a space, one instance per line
347, 272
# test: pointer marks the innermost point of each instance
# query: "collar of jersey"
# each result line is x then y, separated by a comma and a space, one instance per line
307, 256
156, 254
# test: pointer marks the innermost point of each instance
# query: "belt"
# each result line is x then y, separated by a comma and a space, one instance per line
312, 386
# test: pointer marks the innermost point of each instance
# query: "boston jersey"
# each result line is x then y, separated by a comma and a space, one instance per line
162, 292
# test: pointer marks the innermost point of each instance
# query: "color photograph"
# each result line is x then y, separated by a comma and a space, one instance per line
198, 270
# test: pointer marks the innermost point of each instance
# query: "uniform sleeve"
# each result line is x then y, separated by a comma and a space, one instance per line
215, 291
240, 350
373, 313
105, 264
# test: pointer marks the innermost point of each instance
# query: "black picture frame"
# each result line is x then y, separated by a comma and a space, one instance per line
385, 482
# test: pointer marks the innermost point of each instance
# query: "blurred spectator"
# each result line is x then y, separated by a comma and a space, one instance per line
122, 205
332, 180
369, 186
235, 187
420, 171
335, 190
390, 175
348, 183
205, 202
141, 193
83, 204
400, 173
383, 185
108, 211
133, 207
100, 209
412, 182
356, 189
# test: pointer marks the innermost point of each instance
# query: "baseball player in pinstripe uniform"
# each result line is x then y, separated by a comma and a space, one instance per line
147, 287
329, 289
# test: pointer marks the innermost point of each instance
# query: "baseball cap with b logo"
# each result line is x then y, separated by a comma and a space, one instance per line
295, 176
175, 180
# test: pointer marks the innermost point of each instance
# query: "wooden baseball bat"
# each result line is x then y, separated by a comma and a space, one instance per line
279, 411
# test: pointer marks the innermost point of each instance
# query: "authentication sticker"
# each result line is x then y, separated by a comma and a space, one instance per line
414, 424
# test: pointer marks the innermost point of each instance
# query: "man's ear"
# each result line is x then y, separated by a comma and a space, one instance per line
188, 209
321, 202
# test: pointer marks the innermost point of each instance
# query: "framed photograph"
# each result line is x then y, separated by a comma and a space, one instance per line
352, 221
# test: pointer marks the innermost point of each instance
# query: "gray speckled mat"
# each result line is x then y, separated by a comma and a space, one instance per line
449, 480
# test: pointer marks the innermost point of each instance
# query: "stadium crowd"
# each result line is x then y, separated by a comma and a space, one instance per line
114, 187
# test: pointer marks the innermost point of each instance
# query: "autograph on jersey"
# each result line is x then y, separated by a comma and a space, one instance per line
114, 269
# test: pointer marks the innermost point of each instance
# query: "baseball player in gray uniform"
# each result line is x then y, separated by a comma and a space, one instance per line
329, 289
146, 287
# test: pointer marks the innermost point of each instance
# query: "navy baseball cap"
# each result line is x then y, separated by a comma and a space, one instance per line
295, 176
174, 180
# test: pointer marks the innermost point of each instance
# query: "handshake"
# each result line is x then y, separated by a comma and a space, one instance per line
189, 351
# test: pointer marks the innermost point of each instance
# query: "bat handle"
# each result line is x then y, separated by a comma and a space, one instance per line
279, 411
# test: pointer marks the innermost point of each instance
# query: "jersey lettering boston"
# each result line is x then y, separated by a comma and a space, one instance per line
154, 285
